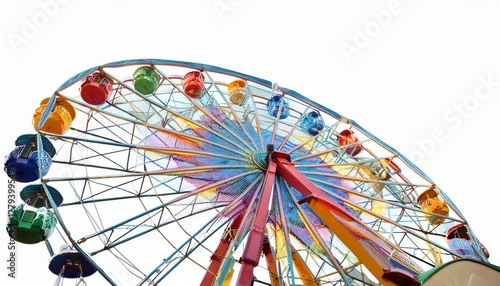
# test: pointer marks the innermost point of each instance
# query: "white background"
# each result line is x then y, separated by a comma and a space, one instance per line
410, 72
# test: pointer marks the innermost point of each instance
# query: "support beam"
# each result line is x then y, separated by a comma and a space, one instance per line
253, 247
305, 273
384, 260
221, 252
271, 263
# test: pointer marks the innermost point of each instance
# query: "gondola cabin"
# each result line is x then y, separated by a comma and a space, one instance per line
237, 92
25, 163
312, 123
349, 142
380, 171
193, 84
24, 168
459, 241
59, 119
277, 106
30, 225
96, 88
375, 173
431, 203
146, 80
390, 166
70, 263
36, 196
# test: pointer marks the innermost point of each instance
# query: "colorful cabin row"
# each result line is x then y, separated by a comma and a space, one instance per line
59, 118
147, 80
30, 225
437, 208
25, 164
349, 142
312, 123
96, 88
459, 242
70, 263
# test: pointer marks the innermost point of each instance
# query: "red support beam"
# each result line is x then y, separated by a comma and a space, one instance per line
254, 245
271, 263
221, 252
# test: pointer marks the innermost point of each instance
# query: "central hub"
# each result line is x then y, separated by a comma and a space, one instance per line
259, 159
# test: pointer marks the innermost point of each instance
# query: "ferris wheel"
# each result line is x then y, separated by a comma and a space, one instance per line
159, 171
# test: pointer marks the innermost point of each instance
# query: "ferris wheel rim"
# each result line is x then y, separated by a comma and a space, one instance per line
257, 159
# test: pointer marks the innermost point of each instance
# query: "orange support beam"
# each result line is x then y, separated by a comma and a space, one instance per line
305, 273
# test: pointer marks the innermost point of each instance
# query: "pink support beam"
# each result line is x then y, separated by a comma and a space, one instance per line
254, 245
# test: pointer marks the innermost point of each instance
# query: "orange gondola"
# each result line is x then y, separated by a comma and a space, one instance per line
59, 119
237, 92
437, 209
